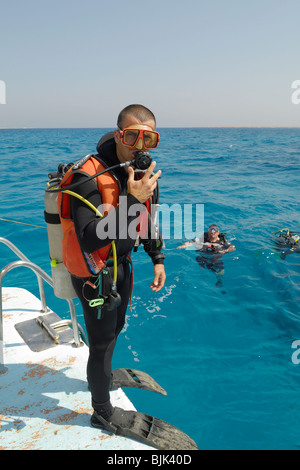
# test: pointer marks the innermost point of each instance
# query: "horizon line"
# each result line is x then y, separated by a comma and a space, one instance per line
163, 127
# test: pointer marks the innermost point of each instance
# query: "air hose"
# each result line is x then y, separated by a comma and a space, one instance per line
113, 245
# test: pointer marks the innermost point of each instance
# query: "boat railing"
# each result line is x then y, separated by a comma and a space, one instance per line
41, 275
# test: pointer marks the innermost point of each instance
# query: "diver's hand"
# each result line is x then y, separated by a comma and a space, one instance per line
231, 248
159, 277
142, 189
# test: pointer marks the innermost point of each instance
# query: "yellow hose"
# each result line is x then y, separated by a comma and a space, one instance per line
282, 230
113, 245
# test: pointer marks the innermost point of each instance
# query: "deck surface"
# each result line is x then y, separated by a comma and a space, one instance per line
44, 399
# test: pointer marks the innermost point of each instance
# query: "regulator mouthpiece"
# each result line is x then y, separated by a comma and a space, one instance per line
142, 160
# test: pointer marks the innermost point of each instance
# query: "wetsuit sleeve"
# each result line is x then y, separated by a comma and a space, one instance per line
90, 228
153, 246
227, 245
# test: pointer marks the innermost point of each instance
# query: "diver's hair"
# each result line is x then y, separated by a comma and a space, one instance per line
139, 111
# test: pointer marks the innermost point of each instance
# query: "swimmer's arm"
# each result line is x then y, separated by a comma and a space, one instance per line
229, 248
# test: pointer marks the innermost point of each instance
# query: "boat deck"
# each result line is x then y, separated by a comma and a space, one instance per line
45, 403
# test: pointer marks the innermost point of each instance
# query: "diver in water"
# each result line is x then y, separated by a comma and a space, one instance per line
212, 246
287, 240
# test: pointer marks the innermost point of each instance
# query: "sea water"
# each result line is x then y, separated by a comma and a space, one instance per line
227, 355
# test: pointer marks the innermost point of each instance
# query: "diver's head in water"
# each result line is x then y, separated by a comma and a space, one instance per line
213, 233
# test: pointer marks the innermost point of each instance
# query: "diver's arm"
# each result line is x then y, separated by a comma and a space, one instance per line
153, 243
154, 251
226, 248
186, 244
288, 252
230, 248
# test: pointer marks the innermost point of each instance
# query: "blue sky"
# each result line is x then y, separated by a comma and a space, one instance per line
75, 63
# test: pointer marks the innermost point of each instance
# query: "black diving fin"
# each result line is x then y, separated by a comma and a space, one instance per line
144, 428
135, 379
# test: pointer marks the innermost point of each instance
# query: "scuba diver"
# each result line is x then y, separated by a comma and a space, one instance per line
287, 240
212, 246
99, 233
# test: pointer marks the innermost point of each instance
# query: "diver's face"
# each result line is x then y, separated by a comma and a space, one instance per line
213, 234
124, 153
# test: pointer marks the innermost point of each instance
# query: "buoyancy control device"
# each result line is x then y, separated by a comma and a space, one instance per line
287, 237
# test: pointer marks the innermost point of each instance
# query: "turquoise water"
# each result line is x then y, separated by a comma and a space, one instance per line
224, 354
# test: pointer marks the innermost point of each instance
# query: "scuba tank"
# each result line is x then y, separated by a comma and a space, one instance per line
63, 288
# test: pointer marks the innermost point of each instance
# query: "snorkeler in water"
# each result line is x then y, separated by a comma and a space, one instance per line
288, 241
212, 245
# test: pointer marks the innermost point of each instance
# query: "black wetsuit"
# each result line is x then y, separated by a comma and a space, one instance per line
103, 333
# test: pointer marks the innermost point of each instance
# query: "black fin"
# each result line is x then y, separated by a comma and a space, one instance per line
144, 428
135, 379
